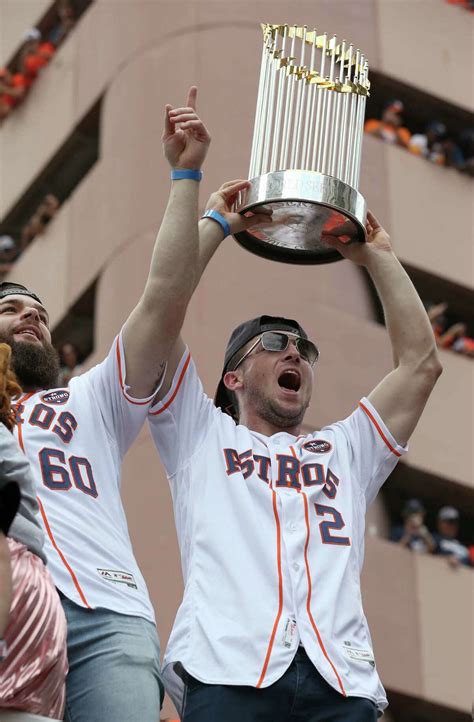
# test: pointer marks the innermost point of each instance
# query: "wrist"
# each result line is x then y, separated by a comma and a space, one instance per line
216, 217
377, 259
185, 174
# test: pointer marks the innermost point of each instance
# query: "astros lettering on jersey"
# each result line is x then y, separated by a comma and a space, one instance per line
75, 440
271, 533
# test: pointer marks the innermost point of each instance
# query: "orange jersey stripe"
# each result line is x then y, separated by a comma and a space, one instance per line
308, 600
45, 520
61, 555
308, 577
180, 380
374, 421
122, 385
280, 593
19, 426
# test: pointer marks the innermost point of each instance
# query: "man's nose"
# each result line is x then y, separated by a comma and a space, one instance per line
292, 351
31, 312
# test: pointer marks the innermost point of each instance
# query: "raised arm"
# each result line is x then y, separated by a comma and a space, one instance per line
401, 396
211, 233
151, 333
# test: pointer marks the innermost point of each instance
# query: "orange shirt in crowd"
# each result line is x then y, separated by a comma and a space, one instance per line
388, 132
33, 63
18, 81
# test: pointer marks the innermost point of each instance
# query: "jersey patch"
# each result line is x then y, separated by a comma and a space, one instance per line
289, 634
56, 397
359, 655
318, 446
118, 577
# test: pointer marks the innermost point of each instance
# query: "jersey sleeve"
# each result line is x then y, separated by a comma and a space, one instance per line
180, 421
373, 451
122, 414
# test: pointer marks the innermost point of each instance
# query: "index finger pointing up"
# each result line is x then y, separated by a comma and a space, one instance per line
192, 94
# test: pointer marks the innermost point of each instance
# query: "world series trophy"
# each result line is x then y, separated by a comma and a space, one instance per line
307, 145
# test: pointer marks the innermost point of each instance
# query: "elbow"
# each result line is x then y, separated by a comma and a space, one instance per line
431, 366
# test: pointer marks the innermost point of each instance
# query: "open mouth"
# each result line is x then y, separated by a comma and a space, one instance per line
290, 380
29, 332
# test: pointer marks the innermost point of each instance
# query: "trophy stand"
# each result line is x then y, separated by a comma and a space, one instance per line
307, 144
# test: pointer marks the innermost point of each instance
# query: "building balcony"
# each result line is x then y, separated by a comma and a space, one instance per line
426, 208
418, 609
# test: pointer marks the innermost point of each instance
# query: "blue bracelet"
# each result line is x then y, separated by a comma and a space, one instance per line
216, 216
186, 174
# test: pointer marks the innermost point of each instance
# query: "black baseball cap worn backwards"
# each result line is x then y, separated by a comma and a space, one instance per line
7, 288
242, 335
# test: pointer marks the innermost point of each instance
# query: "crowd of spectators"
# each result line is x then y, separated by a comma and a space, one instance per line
35, 53
11, 249
453, 336
435, 144
415, 535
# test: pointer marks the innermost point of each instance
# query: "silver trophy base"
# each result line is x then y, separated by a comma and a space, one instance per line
304, 205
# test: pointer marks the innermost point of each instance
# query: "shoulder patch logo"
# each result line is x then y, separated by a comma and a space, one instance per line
318, 446
56, 397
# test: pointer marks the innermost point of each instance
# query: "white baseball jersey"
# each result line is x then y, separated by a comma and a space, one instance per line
75, 439
271, 533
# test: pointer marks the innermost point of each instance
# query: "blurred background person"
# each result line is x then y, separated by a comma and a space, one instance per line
414, 534
34, 55
13, 88
446, 538
391, 127
70, 366
66, 21
39, 220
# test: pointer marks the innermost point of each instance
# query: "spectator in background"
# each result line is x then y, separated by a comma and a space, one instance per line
70, 366
390, 128
8, 249
39, 220
446, 541
34, 54
437, 146
66, 21
8, 253
413, 534
12, 91
466, 143
454, 336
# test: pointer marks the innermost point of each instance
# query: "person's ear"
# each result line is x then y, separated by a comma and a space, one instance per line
233, 380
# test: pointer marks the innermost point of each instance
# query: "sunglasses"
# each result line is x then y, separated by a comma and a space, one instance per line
279, 341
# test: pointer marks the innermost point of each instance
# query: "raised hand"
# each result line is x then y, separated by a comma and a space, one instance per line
377, 241
185, 137
223, 200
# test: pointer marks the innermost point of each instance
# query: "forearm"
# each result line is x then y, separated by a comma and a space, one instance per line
173, 268
407, 322
210, 238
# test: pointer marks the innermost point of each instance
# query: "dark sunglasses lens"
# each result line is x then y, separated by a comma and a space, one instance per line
272, 341
307, 350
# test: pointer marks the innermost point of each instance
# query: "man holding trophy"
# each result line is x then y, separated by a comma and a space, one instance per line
270, 520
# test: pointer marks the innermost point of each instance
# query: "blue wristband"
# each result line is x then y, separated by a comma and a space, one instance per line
186, 174
216, 216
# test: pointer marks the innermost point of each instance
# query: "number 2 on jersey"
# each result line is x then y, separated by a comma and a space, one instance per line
56, 475
326, 527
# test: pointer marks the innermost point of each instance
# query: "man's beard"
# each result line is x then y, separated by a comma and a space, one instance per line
36, 367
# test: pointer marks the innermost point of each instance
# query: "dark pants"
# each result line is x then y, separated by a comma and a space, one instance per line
301, 695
